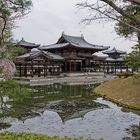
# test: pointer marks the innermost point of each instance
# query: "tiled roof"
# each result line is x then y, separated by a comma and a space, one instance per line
24, 43
53, 46
53, 56
34, 54
82, 43
26, 55
114, 51
78, 42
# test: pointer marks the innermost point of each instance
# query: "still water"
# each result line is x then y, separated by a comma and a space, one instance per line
66, 110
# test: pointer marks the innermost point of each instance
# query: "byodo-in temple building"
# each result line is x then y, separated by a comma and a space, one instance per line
76, 51
27, 45
69, 54
112, 63
115, 60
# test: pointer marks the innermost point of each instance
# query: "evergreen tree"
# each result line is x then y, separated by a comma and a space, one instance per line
10, 11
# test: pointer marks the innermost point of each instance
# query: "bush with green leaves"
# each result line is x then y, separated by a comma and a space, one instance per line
133, 59
26, 136
124, 74
136, 75
13, 90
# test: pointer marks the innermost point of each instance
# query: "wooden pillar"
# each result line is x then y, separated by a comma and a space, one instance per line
107, 67
103, 66
49, 68
75, 65
25, 70
120, 67
44, 65
99, 66
20, 70
70, 65
115, 66
65, 66
59, 69
52, 69
81, 66
32, 74
38, 70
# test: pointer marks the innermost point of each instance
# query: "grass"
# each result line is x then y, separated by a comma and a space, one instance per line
125, 91
30, 136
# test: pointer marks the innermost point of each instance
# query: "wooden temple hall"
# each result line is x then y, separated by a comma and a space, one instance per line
69, 54
111, 63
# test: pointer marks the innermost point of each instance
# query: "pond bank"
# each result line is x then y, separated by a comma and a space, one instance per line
71, 78
125, 92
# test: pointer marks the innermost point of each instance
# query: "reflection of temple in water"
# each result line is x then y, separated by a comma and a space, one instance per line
41, 98
68, 110
69, 101
78, 114
58, 91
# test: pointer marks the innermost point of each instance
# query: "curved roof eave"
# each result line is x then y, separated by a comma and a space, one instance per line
80, 42
27, 44
113, 51
108, 59
53, 46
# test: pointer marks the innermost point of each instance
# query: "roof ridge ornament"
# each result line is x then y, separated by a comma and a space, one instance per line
63, 33
82, 35
22, 39
114, 48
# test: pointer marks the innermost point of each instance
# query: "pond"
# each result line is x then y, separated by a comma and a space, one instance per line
64, 110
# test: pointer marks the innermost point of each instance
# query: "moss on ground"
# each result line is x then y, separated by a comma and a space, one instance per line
125, 91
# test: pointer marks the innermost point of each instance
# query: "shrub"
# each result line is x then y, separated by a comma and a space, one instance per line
136, 75
124, 74
26, 136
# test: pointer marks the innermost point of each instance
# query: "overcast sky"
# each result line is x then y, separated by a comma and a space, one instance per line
49, 18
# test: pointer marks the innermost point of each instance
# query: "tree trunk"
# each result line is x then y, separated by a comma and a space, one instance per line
139, 42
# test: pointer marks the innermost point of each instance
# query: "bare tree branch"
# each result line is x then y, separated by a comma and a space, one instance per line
134, 1
121, 11
108, 13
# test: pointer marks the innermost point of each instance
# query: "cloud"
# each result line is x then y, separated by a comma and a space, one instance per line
49, 18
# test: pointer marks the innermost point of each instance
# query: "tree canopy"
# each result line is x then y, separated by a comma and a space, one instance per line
113, 9
10, 11
126, 13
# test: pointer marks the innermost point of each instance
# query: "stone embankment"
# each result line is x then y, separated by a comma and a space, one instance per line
72, 78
